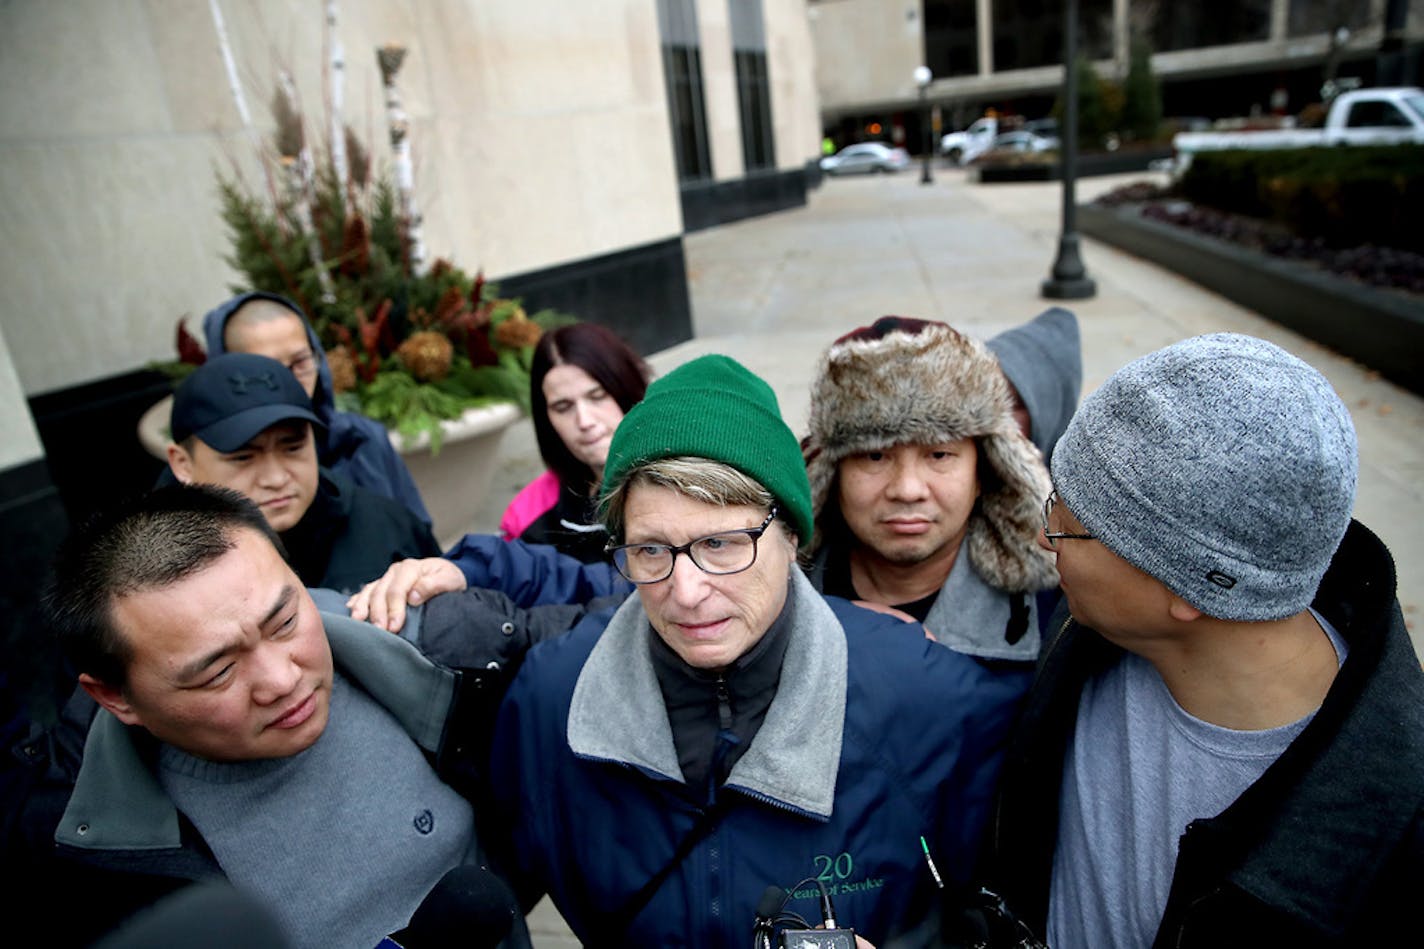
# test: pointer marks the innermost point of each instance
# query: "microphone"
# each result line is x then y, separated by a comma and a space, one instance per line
771, 902
828, 912
470, 907
214, 914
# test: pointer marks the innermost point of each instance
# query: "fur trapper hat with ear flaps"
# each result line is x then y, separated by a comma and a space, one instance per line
905, 381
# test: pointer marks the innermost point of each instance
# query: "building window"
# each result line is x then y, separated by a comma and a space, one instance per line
1029, 33
1308, 17
682, 71
951, 37
753, 85
1194, 25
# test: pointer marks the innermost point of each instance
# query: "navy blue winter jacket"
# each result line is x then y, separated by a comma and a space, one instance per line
875, 738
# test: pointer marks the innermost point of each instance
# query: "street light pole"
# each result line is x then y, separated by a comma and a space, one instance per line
1070, 280
922, 79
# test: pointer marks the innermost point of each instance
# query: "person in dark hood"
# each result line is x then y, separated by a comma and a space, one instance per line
351, 445
1043, 361
243, 422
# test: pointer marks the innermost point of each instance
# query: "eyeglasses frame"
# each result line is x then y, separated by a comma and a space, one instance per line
755, 533
1053, 536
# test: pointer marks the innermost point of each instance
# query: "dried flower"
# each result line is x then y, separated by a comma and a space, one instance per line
342, 363
355, 248
518, 331
190, 350
427, 355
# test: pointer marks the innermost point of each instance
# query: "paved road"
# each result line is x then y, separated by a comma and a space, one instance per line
774, 291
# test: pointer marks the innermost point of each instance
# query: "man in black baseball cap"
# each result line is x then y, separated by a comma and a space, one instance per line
244, 422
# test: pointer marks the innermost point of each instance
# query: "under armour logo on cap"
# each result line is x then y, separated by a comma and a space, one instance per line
230, 399
239, 382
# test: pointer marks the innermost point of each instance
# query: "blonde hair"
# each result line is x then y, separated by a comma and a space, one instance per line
701, 479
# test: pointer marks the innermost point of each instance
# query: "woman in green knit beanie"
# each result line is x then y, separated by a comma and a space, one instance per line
714, 408
728, 726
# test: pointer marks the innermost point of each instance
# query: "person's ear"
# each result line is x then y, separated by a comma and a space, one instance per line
180, 462
1182, 611
110, 698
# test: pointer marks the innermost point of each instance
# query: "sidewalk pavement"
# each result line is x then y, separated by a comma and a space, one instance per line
774, 291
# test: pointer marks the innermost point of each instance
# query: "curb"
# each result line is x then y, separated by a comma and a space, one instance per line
1380, 329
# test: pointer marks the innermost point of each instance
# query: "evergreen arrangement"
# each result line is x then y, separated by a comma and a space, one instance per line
408, 344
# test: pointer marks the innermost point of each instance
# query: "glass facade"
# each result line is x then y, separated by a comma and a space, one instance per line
951, 37
1192, 25
682, 71
1029, 33
753, 83
1308, 17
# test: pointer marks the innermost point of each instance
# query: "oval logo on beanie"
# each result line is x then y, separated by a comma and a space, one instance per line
1221, 579
425, 821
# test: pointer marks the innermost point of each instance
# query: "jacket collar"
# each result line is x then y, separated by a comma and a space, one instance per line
118, 803
971, 617
1322, 821
617, 714
968, 615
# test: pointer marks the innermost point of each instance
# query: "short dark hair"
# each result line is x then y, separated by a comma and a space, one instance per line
611, 362
145, 543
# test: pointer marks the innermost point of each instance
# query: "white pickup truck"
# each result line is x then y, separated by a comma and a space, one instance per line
964, 146
1386, 116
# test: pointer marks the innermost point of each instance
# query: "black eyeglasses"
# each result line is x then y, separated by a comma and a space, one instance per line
1054, 536
303, 364
719, 554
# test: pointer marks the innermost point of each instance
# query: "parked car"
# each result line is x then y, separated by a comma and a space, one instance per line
1047, 127
964, 146
866, 157
1022, 140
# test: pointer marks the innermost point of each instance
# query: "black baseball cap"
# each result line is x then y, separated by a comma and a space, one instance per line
232, 398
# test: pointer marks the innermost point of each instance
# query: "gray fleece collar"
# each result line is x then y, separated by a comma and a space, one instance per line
969, 616
118, 804
617, 712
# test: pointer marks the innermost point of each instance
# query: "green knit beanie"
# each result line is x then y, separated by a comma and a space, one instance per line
714, 407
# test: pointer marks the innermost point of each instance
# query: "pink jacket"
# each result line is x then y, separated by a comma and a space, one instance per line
532, 501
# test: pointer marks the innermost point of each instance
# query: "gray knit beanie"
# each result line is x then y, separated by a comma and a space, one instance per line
907, 381
1222, 466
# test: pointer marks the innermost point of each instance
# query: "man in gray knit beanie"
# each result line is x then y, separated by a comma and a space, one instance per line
1225, 744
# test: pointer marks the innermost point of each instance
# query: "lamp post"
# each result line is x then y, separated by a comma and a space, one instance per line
922, 79
1070, 280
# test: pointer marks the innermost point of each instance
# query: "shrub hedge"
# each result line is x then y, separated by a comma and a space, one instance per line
1343, 195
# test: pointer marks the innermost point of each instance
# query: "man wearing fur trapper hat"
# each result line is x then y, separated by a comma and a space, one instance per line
926, 492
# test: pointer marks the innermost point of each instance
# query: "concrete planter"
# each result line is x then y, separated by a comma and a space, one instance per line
1379, 328
452, 483
1089, 165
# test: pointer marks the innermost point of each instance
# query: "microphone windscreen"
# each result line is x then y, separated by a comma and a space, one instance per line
215, 915
470, 907
772, 899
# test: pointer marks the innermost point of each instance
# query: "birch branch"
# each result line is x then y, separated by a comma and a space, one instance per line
234, 87
390, 57
336, 69
301, 183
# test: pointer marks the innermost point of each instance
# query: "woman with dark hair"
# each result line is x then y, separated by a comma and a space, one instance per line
582, 381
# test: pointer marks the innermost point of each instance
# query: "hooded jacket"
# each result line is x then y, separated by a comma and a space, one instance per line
1043, 361
1325, 849
859, 756
904, 381
349, 536
356, 447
